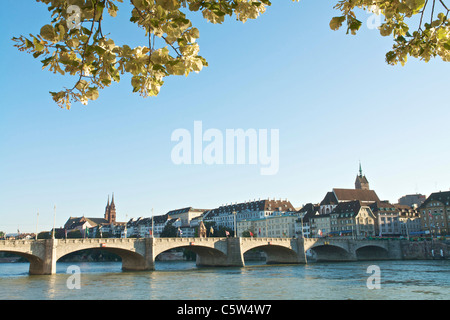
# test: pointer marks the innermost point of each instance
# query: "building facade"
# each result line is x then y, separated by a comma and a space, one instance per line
303, 223
388, 219
225, 216
410, 222
320, 225
435, 214
186, 215
281, 225
353, 219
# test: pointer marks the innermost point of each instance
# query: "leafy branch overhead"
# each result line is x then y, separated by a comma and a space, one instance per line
74, 42
421, 28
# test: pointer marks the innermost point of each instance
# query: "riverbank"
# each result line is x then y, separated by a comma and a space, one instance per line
425, 250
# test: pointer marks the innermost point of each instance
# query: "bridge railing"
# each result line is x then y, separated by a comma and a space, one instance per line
98, 240
184, 240
18, 242
266, 239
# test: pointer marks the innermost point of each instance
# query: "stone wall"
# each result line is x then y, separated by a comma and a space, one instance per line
423, 250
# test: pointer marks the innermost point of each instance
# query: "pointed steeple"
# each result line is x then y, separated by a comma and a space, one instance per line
361, 181
112, 205
112, 211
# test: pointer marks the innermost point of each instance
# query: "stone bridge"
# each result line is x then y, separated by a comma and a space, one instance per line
140, 254
352, 250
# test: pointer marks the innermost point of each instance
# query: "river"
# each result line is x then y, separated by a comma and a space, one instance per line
418, 279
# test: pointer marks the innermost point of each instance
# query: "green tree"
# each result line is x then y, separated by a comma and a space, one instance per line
221, 231
75, 43
246, 234
44, 235
76, 234
208, 226
169, 231
107, 235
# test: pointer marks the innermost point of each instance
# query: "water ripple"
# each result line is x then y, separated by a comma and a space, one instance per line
183, 280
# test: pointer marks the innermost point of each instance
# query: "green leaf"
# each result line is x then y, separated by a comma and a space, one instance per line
354, 26
336, 22
37, 45
48, 33
92, 94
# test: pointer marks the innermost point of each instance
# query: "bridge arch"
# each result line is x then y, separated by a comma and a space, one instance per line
331, 252
277, 250
130, 251
36, 263
209, 251
276, 254
131, 261
371, 252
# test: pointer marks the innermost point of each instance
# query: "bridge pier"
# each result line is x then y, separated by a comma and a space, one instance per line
233, 257
43, 260
132, 261
301, 252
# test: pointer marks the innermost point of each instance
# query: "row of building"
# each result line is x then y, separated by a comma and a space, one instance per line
357, 213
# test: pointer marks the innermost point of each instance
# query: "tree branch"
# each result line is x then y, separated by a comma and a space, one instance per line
83, 56
421, 16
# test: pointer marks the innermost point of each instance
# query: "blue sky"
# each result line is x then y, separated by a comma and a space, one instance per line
332, 97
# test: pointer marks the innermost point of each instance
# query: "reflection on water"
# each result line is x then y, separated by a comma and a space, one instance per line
183, 280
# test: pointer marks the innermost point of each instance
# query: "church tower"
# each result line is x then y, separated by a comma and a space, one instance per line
110, 210
361, 181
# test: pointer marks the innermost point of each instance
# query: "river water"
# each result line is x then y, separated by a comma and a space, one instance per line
398, 280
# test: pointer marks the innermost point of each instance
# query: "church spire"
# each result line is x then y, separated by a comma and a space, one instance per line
361, 181
112, 211
360, 170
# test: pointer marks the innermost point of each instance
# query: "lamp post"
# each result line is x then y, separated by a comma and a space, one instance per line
54, 221
37, 222
267, 231
152, 224
302, 227
125, 229
235, 233
407, 230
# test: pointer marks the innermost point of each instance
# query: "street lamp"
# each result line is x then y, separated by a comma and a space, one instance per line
235, 233
407, 230
267, 231
125, 230
54, 221
37, 221
152, 224
302, 227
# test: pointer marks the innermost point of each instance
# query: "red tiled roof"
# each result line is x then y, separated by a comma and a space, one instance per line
355, 194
